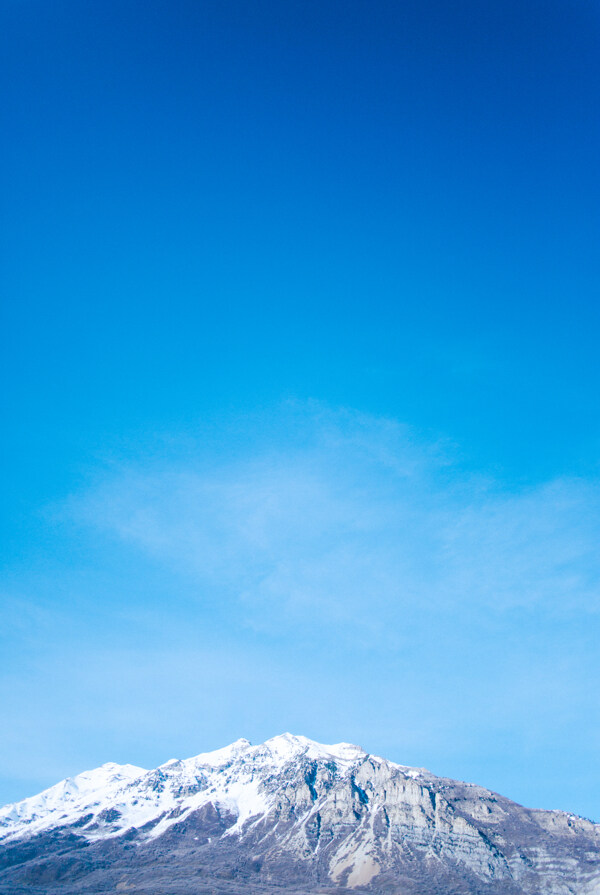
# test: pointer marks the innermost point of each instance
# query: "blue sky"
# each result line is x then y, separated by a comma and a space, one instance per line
302, 411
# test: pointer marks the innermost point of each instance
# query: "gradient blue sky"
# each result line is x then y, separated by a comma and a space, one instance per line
300, 337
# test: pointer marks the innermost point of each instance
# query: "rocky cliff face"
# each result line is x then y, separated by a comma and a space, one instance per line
288, 815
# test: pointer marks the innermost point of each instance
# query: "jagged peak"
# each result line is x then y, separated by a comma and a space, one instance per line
289, 744
278, 749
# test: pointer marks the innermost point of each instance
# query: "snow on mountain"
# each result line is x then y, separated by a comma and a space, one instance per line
69, 797
229, 777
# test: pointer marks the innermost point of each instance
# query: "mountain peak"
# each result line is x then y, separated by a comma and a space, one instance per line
307, 814
291, 744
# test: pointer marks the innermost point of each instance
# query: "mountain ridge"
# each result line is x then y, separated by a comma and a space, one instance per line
289, 813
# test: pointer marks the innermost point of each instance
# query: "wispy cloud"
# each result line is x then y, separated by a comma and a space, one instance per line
357, 522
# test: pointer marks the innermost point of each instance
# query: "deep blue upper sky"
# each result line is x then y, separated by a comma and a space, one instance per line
212, 209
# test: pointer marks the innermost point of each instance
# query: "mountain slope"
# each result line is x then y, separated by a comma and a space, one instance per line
289, 814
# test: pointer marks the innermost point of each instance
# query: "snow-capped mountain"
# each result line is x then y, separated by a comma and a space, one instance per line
289, 814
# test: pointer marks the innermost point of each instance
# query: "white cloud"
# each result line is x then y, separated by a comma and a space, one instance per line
356, 522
